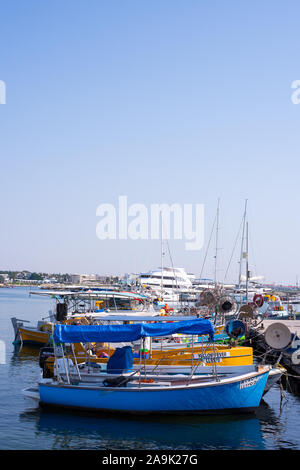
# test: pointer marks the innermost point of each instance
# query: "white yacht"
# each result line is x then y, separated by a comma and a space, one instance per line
168, 283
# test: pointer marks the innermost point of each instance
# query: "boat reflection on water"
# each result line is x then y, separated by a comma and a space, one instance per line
268, 418
24, 353
277, 424
86, 431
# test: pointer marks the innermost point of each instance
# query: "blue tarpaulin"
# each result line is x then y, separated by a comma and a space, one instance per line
121, 361
128, 333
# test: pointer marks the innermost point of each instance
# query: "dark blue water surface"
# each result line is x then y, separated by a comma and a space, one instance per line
24, 425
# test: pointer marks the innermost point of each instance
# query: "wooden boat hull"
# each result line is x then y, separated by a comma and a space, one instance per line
238, 394
30, 336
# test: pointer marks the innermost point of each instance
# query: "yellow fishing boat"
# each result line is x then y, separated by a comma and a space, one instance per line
176, 361
205, 356
38, 337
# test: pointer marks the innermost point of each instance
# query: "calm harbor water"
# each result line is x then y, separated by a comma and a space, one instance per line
23, 425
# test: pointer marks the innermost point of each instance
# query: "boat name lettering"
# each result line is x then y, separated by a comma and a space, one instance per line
249, 382
213, 357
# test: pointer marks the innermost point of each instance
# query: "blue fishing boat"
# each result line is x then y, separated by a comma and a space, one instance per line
239, 394
138, 394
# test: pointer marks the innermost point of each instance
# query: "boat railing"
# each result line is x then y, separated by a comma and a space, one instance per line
71, 366
67, 339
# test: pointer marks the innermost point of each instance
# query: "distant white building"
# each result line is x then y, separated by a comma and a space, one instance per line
82, 278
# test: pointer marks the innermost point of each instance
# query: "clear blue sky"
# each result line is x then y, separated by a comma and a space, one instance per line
162, 101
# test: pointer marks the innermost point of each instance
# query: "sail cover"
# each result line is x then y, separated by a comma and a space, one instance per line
128, 333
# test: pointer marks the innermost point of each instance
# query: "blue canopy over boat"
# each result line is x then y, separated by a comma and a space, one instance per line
128, 333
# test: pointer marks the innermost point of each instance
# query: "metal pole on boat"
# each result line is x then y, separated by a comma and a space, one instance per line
247, 272
215, 363
192, 351
66, 368
115, 303
58, 377
200, 359
162, 259
140, 363
144, 357
76, 363
88, 356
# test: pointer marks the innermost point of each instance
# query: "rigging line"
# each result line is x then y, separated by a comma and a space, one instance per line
234, 247
176, 283
252, 251
243, 241
162, 257
251, 247
212, 230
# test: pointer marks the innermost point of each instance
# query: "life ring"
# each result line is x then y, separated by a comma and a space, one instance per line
258, 300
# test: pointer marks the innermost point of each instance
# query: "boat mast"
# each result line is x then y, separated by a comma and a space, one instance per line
217, 236
162, 258
242, 244
247, 272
